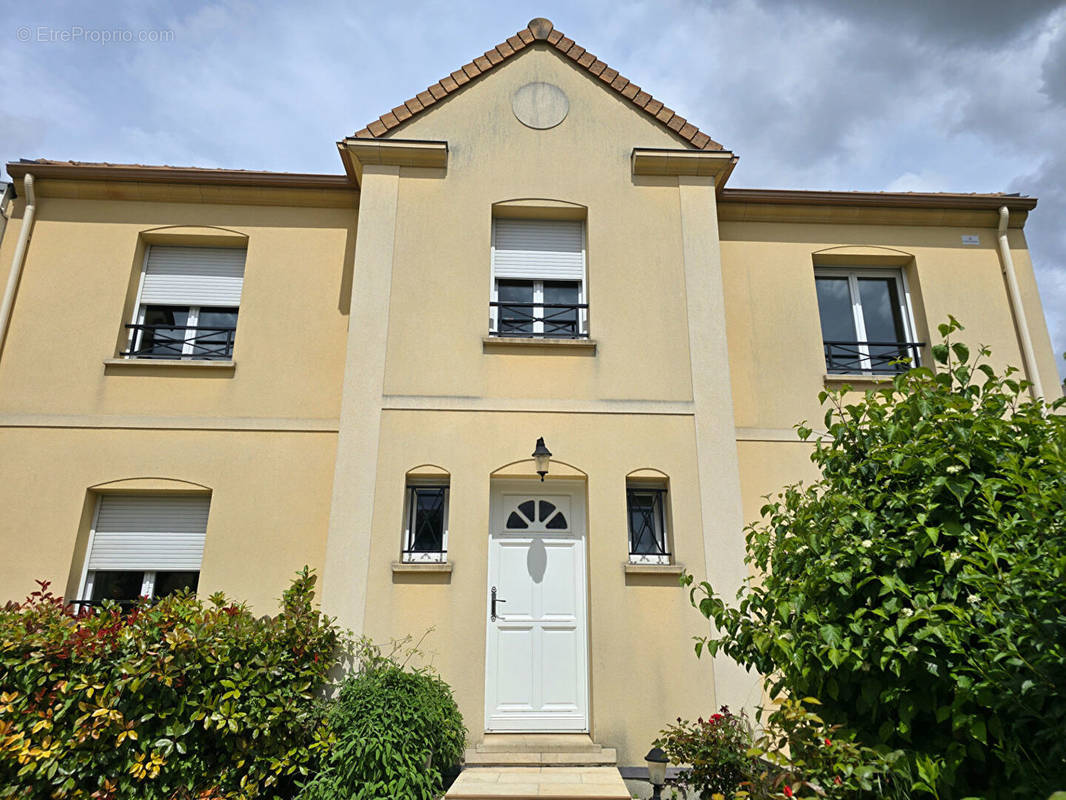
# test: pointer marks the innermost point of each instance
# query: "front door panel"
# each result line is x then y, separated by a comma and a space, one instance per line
537, 648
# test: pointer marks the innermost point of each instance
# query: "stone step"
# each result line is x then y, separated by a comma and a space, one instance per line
519, 783
603, 757
537, 742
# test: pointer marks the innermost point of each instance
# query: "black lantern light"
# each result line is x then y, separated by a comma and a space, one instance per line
656, 760
542, 455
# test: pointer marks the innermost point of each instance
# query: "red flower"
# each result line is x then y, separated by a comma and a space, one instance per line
788, 791
836, 780
827, 743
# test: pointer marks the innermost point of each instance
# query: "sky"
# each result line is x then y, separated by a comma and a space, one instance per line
896, 95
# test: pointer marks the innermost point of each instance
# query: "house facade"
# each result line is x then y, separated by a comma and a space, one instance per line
209, 378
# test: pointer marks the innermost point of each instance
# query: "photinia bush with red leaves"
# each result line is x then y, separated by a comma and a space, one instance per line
174, 699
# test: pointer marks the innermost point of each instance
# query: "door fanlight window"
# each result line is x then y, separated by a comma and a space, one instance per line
537, 513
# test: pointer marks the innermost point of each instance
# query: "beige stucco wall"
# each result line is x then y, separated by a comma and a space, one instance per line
80, 277
643, 671
269, 501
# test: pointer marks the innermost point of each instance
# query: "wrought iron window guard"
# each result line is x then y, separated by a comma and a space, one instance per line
649, 539
879, 358
180, 341
558, 320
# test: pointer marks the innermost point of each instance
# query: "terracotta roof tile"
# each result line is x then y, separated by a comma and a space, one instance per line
541, 31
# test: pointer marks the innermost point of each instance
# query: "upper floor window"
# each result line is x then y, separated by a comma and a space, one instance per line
426, 529
648, 539
866, 321
144, 546
187, 304
538, 288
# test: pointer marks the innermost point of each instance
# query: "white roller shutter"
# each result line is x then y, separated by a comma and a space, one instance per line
136, 532
193, 276
539, 249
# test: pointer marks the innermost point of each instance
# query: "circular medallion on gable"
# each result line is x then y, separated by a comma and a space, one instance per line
540, 105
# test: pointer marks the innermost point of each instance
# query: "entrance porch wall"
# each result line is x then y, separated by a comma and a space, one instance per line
643, 672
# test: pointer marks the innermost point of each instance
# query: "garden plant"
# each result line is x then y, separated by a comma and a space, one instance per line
174, 699
916, 589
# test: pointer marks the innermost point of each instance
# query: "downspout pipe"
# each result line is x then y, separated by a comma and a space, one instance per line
19, 258
1015, 295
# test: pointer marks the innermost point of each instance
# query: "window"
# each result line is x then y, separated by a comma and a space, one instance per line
426, 529
538, 288
648, 541
144, 546
866, 321
187, 304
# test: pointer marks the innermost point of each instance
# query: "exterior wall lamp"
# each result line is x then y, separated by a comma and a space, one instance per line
656, 760
541, 456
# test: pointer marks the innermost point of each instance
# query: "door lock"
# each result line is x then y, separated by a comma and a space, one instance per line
495, 600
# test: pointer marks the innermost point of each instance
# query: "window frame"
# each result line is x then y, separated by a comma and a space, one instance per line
906, 311
661, 493
140, 309
407, 554
85, 584
538, 291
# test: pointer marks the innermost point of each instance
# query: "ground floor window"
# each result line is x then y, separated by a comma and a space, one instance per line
426, 529
648, 539
144, 546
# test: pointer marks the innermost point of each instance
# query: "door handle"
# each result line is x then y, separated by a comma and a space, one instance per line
495, 600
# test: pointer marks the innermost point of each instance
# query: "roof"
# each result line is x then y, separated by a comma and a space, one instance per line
540, 30
89, 170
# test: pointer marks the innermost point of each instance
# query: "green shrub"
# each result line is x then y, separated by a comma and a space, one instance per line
917, 588
175, 699
797, 755
387, 722
715, 748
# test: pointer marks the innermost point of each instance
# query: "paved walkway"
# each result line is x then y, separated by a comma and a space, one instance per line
577, 783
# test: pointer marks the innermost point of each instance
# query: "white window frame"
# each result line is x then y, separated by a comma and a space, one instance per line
538, 289
905, 307
409, 518
663, 520
140, 309
88, 576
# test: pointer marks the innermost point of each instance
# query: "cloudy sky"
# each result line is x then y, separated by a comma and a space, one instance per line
921, 95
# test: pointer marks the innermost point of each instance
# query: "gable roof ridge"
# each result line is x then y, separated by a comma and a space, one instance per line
540, 30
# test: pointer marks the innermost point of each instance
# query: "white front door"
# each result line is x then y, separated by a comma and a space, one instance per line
537, 646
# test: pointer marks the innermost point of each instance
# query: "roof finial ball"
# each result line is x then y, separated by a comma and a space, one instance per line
540, 28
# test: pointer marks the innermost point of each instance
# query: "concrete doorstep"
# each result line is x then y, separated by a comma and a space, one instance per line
577, 783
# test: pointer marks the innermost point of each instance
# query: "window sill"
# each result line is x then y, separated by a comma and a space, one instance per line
167, 364
653, 569
858, 378
523, 344
404, 567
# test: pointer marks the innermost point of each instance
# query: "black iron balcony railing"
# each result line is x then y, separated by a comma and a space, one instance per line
549, 320
879, 358
176, 341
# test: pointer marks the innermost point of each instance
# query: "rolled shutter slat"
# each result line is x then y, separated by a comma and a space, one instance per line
193, 276
539, 249
140, 533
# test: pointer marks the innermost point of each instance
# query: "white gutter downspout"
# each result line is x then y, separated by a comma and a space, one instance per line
1028, 356
19, 258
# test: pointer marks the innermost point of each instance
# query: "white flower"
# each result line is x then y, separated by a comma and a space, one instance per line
867, 543
954, 469
973, 599
906, 612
